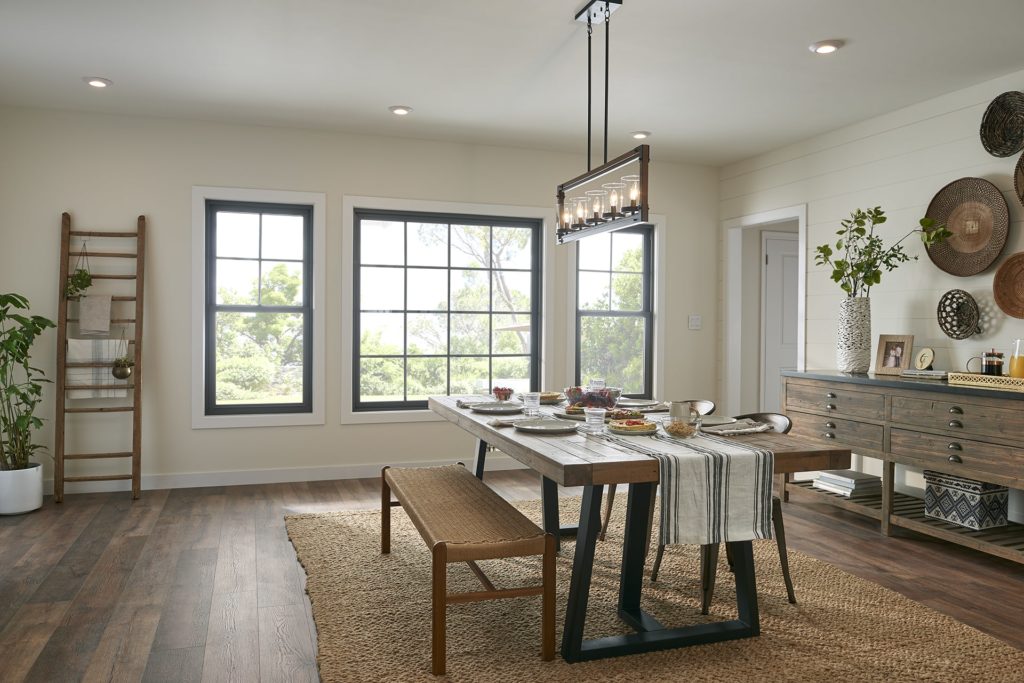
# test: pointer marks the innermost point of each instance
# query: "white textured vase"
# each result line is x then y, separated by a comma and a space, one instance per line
21, 490
853, 338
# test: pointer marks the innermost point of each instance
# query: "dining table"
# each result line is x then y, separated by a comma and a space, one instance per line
578, 459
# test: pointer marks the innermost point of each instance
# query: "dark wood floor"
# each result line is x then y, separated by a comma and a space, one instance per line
202, 584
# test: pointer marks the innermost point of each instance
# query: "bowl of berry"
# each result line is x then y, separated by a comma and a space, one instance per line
502, 393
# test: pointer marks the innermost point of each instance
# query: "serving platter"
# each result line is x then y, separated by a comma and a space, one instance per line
546, 425
498, 408
715, 420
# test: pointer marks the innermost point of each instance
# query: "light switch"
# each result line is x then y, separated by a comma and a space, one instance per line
695, 321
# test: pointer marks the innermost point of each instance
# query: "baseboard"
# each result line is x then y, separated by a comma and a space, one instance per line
495, 462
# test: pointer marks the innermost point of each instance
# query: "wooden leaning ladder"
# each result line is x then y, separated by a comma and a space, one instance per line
135, 382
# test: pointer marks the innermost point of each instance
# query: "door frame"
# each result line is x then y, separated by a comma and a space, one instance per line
733, 295
765, 236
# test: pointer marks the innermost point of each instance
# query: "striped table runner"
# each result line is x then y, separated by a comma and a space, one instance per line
712, 489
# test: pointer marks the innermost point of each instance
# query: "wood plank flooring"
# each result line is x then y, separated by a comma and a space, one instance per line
203, 585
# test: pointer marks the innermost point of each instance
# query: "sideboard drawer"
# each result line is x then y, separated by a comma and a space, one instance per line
951, 454
823, 397
844, 432
968, 418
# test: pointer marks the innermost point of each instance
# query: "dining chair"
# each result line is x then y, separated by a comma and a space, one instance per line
704, 407
709, 553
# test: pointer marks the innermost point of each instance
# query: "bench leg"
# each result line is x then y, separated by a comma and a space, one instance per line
438, 595
780, 539
607, 511
481, 459
547, 633
385, 514
708, 570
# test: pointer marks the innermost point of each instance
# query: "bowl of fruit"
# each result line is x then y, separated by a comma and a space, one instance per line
502, 393
606, 397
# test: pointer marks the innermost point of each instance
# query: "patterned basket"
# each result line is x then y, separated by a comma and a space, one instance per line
1002, 125
965, 502
975, 379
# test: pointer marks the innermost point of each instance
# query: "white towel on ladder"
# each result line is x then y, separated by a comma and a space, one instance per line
93, 351
94, 314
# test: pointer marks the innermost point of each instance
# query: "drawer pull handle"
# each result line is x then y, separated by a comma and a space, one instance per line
956, 410
830, 395
955, 458
954, 447
956, 424
830, 425
829, 435
830, 406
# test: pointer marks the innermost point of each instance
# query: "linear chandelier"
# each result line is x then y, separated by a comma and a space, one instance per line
613, 195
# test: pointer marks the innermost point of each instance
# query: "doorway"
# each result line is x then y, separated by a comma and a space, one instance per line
779, 274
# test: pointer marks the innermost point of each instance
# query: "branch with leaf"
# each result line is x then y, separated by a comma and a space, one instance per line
859, 256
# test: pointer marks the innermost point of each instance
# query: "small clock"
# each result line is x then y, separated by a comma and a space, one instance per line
923, 359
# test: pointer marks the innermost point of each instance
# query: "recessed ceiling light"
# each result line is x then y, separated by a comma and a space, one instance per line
826, 47
399, 110
97, 81
640, 134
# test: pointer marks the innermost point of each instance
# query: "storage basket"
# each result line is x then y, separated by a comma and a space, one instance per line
964, 502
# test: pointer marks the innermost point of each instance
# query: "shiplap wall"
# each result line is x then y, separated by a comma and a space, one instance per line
897, 161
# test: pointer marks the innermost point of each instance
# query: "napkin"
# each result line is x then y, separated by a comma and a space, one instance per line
470, 401
744, 426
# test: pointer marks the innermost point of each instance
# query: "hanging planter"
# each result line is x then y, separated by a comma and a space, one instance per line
123, 364
80, 279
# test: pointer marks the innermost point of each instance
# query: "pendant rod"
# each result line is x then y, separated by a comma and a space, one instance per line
590, 32
607, 45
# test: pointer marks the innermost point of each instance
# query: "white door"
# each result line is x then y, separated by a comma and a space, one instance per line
778, 313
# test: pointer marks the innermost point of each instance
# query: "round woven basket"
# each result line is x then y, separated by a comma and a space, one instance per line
1002, 126
1018, 179
1008, 286
958, 314
975, 211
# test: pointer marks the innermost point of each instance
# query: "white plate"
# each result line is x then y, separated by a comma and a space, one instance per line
546, 425
636, 403
498, 408
632, 432
714, 421
568, 416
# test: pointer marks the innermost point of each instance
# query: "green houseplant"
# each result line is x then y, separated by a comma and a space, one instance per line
857, 260
21, 391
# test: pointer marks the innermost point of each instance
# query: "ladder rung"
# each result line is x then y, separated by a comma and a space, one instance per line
93, 456
97, 233
105, 409
101, 364
103, 254
113, 298
115, 321
100, 477
87, 387
112, 277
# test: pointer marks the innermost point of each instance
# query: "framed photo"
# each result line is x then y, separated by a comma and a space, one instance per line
894, 352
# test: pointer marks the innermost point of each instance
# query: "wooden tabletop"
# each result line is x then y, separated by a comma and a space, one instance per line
575, 460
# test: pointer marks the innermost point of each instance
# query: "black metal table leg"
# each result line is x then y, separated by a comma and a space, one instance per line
481, 458
549, 508
634, 555
582, 567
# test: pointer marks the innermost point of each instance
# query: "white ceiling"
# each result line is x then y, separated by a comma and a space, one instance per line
715, 80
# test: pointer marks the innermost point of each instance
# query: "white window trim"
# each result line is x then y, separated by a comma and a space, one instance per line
658, 343
349, 205
318, 201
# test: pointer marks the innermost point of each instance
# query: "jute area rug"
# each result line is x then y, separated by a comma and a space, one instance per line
372, 614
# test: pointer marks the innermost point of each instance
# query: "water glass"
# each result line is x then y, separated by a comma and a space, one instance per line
596, 383
595, 419
531, 403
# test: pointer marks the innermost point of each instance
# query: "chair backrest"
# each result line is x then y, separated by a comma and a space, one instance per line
779, 422
703, 406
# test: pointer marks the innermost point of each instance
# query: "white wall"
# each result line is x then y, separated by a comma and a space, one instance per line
897, 161
105, 170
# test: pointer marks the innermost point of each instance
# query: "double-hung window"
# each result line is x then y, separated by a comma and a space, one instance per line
443, 304
258, 308
614, 309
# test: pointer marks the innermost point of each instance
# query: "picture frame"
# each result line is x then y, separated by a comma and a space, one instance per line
894, 353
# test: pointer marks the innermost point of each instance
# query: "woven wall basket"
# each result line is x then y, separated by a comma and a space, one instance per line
1002, 126
958, 314
1008, 286
975, 211
1018, 179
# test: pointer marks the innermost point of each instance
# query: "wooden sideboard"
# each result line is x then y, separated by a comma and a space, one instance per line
925, 424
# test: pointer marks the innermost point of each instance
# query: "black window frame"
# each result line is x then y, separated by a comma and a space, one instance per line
646, 312
536, 251
212, 307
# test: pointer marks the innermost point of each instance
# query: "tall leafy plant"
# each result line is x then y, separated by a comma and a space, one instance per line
21, 387
860, 256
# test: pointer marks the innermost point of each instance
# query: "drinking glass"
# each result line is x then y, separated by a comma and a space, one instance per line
1017, 359
596, 383
531, 403
595, 419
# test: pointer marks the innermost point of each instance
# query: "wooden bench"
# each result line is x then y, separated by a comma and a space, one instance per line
462, 520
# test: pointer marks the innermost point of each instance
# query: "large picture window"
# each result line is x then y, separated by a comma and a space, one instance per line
614, 309
258, 344
444, 304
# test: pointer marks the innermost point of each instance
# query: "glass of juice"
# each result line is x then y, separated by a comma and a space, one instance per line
1017, 359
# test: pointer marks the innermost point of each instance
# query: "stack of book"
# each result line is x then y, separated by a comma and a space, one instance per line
849, 484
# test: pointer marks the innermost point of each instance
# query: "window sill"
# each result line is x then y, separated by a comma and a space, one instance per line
237, 421
349, 417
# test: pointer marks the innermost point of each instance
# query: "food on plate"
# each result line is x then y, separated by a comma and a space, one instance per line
679, 428
574, 409
623, 414
632, 425
501, 393
550, 396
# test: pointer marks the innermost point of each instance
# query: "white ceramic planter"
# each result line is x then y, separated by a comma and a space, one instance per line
21, 490
853, 338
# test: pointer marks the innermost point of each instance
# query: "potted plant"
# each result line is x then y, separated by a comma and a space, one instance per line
123, 367
78, 282
21, 390
857, 262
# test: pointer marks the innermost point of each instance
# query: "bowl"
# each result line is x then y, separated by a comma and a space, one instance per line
593, 398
